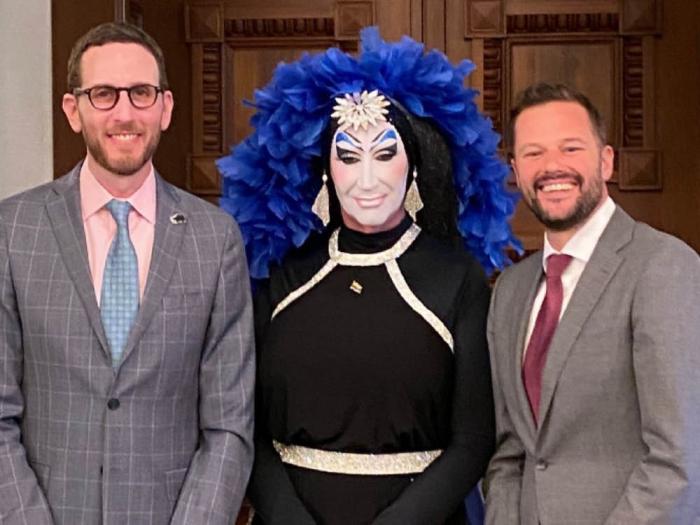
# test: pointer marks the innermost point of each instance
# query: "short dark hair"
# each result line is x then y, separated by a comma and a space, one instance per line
113, 32
542, 93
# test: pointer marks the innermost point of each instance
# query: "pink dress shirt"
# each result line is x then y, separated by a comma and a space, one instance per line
100, 227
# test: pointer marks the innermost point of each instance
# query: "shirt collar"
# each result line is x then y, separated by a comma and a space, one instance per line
583, 242
94, 196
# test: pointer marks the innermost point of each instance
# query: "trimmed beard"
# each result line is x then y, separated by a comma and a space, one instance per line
125, 166
586, 203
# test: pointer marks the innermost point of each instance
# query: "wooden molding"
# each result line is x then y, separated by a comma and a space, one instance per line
204, 22
632, 93
216, 33
202, 176
493, 100
484, 18
604, 47
562, 23
212, 87
351, 16
130, 11
266, 28
207, 94
641, 17
640, 170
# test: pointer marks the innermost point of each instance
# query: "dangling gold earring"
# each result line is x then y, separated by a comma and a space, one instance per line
413, 203
321, 204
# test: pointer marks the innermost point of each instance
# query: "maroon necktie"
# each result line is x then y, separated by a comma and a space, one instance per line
546, 323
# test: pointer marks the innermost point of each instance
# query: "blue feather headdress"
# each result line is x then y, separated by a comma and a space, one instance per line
268, 182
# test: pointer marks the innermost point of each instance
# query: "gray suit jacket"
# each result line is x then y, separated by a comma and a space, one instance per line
619, 436
165, 437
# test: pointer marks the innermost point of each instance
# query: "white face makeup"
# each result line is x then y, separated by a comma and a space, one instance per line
369, 170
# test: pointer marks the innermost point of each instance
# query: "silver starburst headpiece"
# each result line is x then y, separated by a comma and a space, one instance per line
360, 109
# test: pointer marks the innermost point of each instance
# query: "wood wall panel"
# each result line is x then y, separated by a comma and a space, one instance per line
258, 65
484, 18
234, 48
653, 95
590, 65
677, 77
66, 28
458, 48
655, 92
434, 24
395, 18
164, 20
605, 48
278, 9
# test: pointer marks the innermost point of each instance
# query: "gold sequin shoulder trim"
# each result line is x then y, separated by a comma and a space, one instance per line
350, 259
372, 259
416, 304
325, 270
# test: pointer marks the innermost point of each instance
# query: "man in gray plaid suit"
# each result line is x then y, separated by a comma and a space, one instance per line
153, 425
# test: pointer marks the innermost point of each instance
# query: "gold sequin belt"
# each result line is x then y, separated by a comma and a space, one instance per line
359, 464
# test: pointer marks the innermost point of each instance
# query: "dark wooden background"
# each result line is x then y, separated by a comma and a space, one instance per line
639, 60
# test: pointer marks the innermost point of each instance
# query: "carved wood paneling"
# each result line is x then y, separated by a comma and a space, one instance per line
641, 16
266, 28
485, 18
234, 49
633, 93
640, 169
204, 23
562, 23
130, 11
590, 63
492, 97
605, 48
203, 177
351, 16
207, 107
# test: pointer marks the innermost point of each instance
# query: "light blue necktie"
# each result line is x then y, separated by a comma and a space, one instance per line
120, 284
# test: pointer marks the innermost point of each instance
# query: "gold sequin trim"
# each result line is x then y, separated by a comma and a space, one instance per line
358, 464
325, 270
372, 259
350, 259
416, 304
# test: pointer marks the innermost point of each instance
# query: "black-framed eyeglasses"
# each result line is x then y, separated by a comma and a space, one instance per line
141, 96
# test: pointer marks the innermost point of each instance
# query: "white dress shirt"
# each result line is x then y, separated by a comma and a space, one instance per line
579, 247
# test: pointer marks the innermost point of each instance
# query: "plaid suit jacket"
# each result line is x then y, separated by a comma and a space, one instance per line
166, 436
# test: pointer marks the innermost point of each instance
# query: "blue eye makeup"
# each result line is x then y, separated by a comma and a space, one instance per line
386, 153
344, 137
389, 134
349, 149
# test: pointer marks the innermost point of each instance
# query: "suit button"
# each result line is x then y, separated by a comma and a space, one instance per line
113, 404
541, 465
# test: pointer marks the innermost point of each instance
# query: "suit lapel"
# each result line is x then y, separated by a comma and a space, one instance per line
601, 267
166, 247
64, 211
527, 298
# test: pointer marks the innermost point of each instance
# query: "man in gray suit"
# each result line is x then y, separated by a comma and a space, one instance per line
126, 349
595, 368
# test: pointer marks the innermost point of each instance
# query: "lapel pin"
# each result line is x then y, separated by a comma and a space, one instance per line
178, 218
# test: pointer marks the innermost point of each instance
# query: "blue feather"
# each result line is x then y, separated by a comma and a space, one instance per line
268, 184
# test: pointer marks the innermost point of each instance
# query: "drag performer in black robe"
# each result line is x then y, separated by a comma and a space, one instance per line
374, 401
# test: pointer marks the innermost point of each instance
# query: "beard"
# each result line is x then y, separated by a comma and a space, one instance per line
124, 165
586, 203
